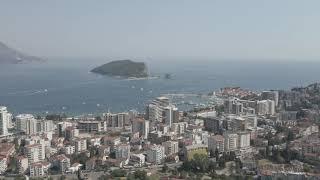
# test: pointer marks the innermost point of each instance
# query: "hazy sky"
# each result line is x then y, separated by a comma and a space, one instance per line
210, 29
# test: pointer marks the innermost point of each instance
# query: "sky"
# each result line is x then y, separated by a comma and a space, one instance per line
155, 29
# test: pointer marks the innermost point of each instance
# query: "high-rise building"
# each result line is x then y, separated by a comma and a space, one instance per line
155, 154
80, 144
45, 126
233, 106
251, 120
156, 107
39, 168
22, 164
216, 142
243, 139
92, 126
170, 147
26, 123
62, 127
117, 120
141, 126
271, 95
35, 153
179, 128
5, 119
239, 124
266, 107
122, 151
230, 141
213, 124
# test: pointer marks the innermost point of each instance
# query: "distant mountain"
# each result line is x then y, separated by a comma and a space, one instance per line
12, 56
123, 68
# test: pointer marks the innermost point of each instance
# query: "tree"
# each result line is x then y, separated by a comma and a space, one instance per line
103, 177
140, 175
118, 173
165, 168
290, 136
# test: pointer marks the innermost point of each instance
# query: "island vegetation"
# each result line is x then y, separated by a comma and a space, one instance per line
123, 68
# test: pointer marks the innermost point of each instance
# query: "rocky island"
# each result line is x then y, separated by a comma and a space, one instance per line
123, 68
11, 56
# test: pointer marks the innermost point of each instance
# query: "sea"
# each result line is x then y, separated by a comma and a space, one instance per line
67, 86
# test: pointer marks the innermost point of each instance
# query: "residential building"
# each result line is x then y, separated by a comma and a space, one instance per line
137, 160
3, 164
179, 128
239, 124
271, 95
170, 147
216, 142
71, 132
62, 127
45, 126
230, 141
116, 120
80, 144
61, 162
233, 106
22, 164
243, 139
26, 123
122, 151
266, 107
155, 109
39, 169
35, 153
92, 126
155, 154
7, 149
141, 126
5, 119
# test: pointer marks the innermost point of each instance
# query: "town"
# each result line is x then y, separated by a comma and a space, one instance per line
271, 134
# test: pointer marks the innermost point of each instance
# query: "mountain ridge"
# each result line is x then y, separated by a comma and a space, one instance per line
9, 55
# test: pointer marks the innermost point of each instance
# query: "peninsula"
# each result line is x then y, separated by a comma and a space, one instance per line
11, 56
123, 68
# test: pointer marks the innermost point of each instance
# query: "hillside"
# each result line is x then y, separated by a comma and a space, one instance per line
11, 56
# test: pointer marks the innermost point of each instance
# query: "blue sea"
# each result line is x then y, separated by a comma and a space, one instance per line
67, 86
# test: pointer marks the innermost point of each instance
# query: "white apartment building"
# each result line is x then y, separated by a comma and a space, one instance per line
35, 153
26, 123
266, 107
137, 160
122, 151
252, 121
156, 107
3, 164
179, 128
243, 139
116, 120
39, 169
170, 147
230, 141
272, 95
80, 145
45, 126
5, 120
22, 164
155, 154
69, 149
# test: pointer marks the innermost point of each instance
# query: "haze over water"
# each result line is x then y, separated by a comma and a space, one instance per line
68, 87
